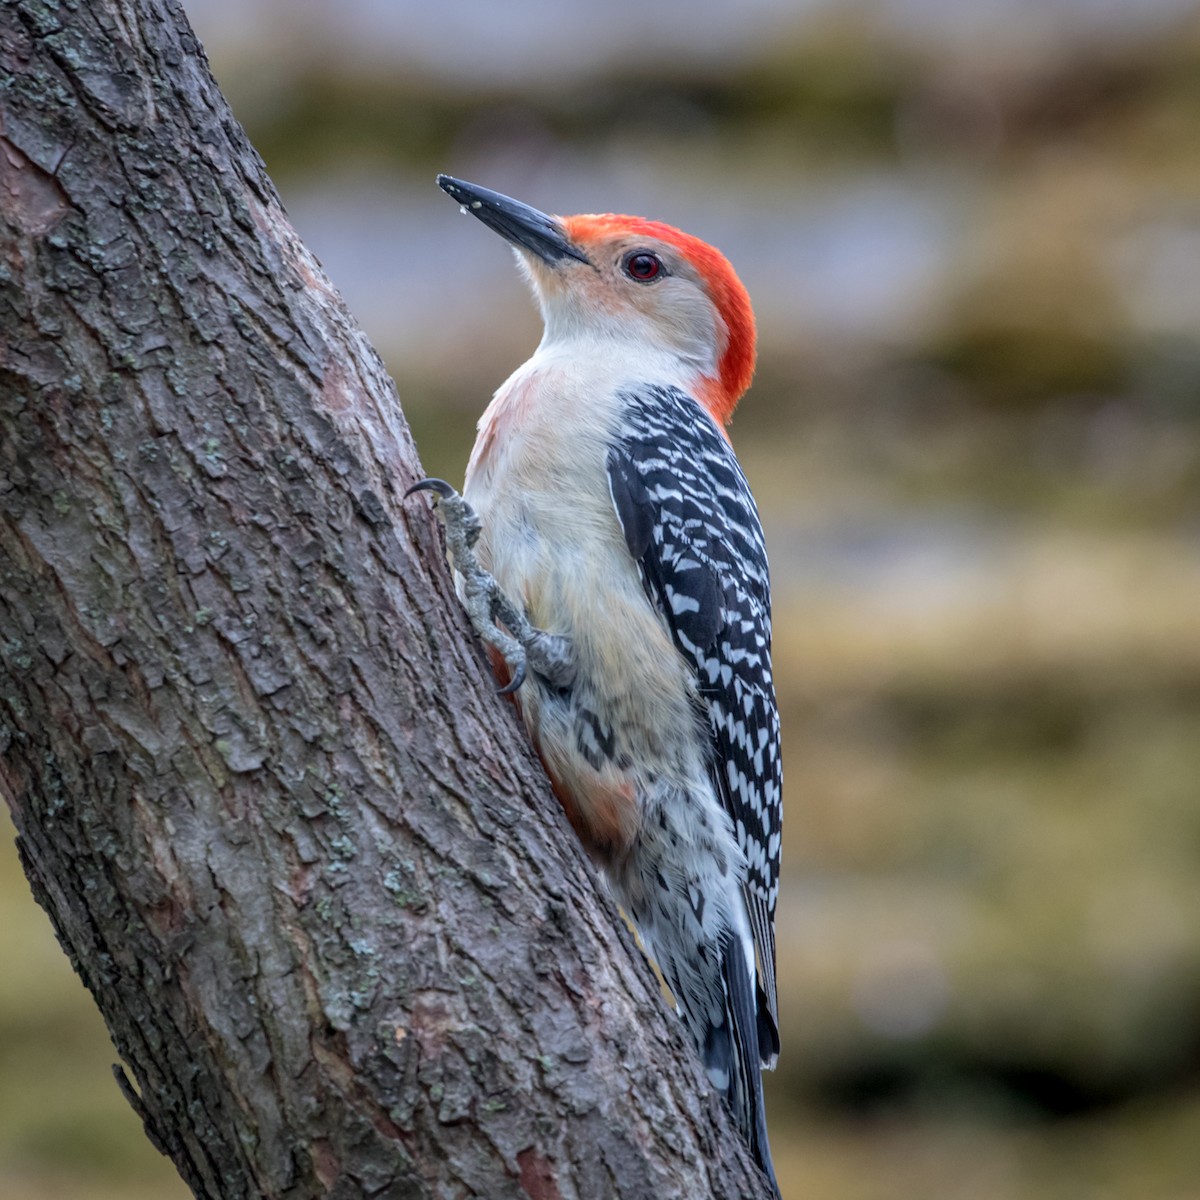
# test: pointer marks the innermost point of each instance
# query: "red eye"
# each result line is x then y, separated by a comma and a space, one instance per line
643, 266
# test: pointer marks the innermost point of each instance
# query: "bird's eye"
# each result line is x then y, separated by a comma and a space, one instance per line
643, 266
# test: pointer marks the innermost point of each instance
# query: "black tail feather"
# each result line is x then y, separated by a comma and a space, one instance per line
745, 1095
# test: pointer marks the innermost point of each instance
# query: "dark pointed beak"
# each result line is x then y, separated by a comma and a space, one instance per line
523, 226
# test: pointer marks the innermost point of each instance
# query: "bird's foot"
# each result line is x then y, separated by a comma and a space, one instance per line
497, 620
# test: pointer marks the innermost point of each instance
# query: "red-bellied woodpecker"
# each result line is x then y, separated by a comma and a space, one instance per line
608, 548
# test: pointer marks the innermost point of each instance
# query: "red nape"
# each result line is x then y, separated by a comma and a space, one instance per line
736, 369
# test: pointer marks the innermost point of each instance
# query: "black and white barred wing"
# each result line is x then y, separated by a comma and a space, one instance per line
693, 527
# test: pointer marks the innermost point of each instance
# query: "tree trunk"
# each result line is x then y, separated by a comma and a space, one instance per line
292, 842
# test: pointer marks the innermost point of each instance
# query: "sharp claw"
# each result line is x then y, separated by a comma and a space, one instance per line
515, 682
462, 531
440, 486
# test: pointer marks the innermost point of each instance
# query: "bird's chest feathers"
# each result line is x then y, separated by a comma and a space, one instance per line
505, 428
538, 480
540, 453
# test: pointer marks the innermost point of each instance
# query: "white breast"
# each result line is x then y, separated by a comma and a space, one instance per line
538, 480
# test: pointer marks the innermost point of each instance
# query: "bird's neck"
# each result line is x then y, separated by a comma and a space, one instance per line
618, 356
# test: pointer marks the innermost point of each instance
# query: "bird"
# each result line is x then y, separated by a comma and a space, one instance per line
609, 552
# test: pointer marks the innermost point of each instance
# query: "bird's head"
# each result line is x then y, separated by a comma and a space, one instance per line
607, 276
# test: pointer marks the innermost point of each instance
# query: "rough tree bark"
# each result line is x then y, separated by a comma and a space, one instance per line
290, 839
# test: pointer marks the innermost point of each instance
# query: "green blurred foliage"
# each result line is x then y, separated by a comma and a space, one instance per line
66, 1132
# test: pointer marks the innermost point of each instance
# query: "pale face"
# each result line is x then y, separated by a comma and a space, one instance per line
632, 288
643, 288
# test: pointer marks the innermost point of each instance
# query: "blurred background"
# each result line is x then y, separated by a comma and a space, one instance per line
972, 234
